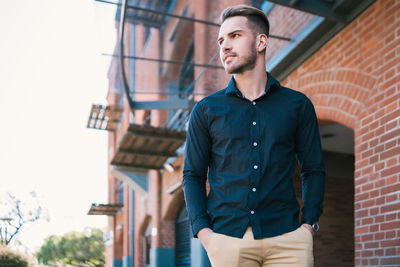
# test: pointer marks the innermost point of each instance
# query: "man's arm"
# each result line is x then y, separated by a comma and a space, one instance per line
310, 158
197, 155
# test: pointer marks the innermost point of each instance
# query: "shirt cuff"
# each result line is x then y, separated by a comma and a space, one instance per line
309, 220
200, 223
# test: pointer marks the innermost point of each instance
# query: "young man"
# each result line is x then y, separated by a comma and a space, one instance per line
247, 136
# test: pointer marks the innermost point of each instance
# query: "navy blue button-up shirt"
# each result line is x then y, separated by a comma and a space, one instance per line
249, 149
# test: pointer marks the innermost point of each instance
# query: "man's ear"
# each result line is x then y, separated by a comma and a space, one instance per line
262, 42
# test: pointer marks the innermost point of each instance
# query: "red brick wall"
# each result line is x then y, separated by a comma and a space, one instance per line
206, 46
354, 80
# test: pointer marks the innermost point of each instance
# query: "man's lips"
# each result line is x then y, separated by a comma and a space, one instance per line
228, 56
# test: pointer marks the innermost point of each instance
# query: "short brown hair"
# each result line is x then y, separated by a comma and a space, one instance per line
253, 15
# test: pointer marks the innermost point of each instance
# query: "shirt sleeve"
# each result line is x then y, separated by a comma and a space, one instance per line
310, 159
197, 155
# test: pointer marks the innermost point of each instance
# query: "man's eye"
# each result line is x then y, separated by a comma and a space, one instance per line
235, 35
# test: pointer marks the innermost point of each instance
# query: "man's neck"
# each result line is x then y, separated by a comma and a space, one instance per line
252, 83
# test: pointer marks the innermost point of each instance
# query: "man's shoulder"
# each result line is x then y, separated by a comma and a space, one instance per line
213, 97
293, 94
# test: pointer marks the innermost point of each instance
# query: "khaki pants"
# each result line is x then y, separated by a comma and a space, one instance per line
290, 249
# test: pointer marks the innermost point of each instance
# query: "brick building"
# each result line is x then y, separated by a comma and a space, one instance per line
344, 55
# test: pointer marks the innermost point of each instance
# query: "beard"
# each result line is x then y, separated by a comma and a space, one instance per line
244, 63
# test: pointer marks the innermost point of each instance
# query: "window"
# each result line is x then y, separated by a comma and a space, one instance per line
121, 193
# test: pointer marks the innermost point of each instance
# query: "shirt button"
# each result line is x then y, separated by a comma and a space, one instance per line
254, 103
252, 211
255, 167
254, 123
255, 144
254, 189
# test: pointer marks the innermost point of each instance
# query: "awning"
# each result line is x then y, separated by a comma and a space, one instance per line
146, 147
104, 209
104, 117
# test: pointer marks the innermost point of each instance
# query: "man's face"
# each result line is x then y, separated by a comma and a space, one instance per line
237, 48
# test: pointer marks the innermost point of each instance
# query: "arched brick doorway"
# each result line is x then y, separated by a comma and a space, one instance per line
334, 243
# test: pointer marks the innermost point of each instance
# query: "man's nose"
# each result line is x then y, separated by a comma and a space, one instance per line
226, 46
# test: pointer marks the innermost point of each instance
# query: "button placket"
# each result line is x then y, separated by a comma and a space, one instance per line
254, 159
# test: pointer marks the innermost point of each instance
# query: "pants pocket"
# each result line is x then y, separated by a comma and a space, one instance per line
309, 234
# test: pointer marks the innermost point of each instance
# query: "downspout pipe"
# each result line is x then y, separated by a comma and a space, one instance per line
121, 54
131, 226
132, 193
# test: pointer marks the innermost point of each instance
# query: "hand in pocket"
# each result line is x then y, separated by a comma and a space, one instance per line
205, 236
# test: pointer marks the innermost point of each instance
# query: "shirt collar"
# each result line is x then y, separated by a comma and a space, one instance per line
232, 89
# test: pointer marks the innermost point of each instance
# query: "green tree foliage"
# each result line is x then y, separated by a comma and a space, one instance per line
75, 248
9, 258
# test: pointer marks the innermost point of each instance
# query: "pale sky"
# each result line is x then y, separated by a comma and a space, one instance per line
51, 71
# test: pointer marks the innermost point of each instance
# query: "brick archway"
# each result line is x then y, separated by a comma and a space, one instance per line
139, 240
338, 94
